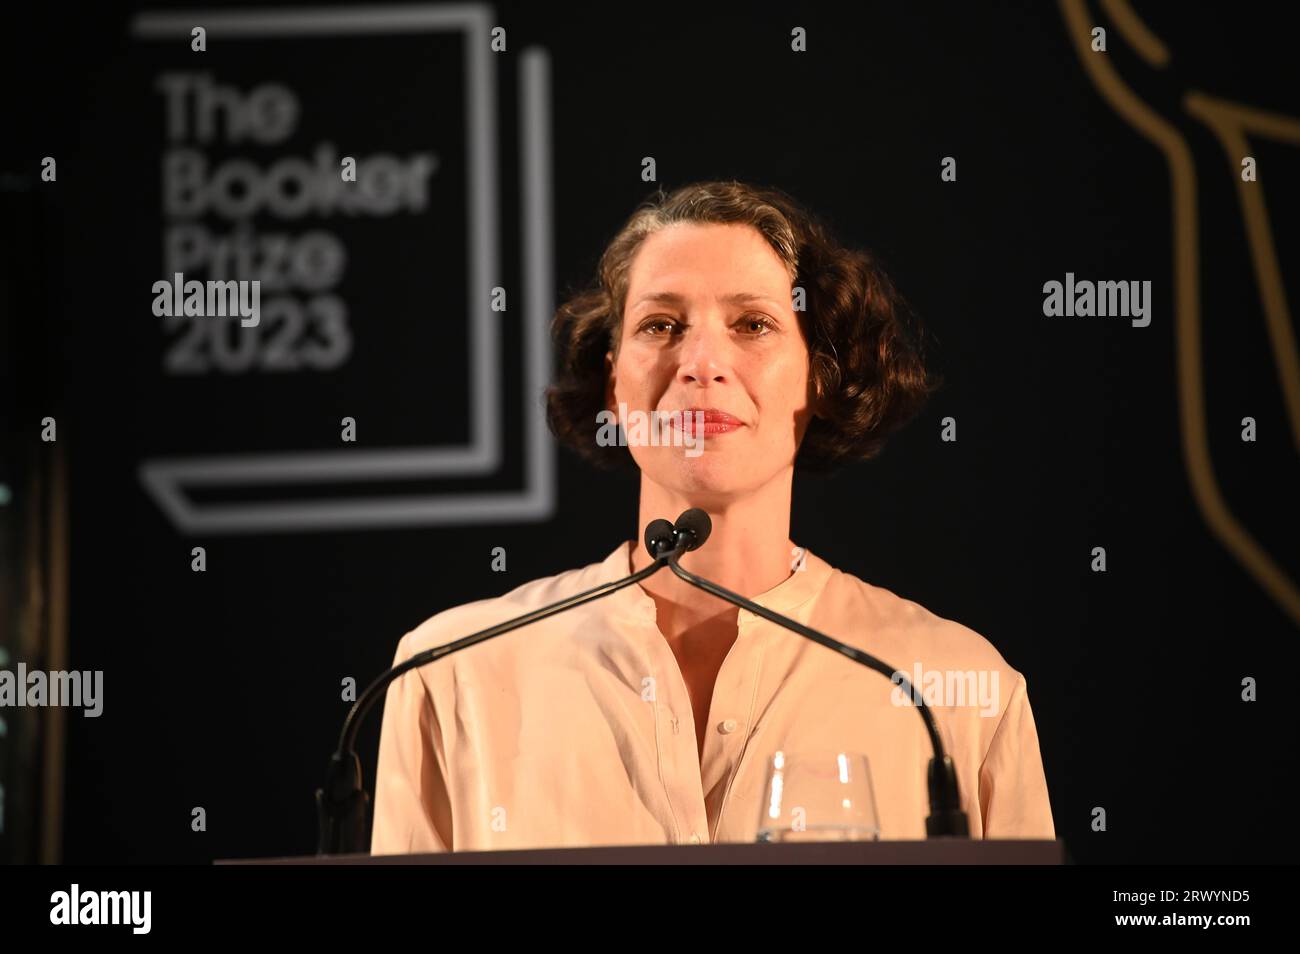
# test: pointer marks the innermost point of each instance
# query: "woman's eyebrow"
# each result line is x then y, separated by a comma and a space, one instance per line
747, 298
661, 298
673, 298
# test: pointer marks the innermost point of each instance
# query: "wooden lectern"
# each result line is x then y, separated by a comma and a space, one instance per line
935, 851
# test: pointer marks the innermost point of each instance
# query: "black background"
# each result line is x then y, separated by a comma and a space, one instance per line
222, 688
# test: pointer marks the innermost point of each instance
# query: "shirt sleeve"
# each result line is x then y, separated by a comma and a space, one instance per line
412, 808
1013, 788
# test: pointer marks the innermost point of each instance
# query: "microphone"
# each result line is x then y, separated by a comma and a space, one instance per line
695, 525
946, 818
659, 535
691, 530
342, 803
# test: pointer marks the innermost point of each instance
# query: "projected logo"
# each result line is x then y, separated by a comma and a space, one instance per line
346, 160
1240, 130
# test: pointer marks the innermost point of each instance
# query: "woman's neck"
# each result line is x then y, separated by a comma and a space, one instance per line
749, 550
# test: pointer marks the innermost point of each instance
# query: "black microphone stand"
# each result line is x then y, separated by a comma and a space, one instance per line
946, 818
342, 804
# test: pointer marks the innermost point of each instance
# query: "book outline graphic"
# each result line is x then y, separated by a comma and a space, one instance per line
166, 479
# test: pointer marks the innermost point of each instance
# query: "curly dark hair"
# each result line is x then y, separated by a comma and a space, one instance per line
865, 346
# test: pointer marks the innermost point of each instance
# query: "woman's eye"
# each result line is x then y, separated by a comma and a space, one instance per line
755, 326
654, 323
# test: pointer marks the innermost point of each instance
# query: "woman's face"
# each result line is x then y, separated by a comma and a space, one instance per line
709, 324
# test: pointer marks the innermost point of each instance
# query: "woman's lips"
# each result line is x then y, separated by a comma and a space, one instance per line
715, 421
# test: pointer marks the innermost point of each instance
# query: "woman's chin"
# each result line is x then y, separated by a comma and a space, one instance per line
707, 473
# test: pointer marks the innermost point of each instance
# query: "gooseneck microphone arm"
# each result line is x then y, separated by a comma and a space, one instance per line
946, 817
342, 802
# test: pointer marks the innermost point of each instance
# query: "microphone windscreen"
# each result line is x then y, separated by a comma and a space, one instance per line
696, 523
658, 536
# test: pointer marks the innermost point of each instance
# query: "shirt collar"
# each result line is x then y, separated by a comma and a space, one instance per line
792, 592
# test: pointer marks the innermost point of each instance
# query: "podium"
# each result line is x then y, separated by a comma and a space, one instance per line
935, 851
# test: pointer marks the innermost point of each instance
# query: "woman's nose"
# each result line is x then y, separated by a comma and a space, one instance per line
703, 356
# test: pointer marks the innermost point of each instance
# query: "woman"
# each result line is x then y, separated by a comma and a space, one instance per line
649, 716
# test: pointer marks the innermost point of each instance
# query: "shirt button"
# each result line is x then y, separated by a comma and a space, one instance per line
695, 839
727, 726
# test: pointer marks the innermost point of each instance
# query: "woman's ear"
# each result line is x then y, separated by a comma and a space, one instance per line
815, 395
610, 403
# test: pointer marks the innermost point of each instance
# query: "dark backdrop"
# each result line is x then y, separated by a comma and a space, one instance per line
222, 688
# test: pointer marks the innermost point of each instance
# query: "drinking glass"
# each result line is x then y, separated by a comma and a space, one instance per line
818, 796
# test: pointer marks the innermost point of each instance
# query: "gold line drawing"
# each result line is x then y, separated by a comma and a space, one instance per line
1229, 122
